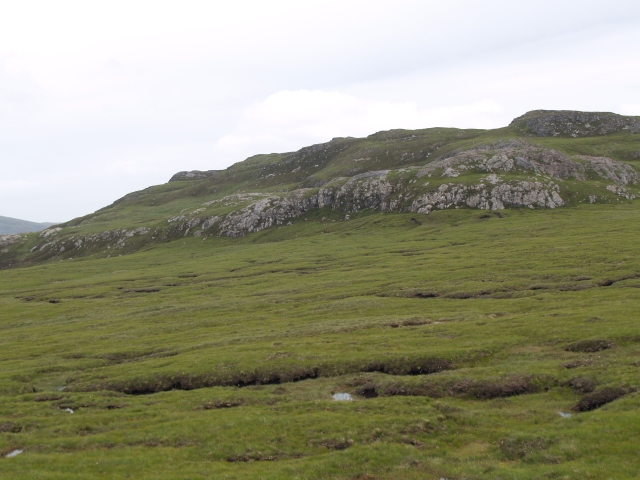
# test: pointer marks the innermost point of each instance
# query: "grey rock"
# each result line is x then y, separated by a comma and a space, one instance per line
50, 231
194, 222
194, 175
621, 173
118, 236
505, 157
621, 191
6, 240
374, 191
210, 222
567, 123
514, 194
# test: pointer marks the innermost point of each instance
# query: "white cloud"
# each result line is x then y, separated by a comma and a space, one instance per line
630, 109
303, 117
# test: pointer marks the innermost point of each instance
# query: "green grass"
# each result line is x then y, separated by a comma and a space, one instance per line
336, 298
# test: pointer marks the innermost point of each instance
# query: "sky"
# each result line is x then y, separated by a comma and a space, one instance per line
99, 99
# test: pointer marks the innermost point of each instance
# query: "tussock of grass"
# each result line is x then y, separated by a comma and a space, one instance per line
601, 397
589, 346
582, 384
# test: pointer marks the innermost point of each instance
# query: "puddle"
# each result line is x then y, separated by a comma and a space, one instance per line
60, 389
15, 453
342, 397
565, 415
67, 410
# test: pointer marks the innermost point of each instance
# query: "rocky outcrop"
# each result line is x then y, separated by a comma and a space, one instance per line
512, 194
6, 240
194, 175
266, 213
621, 173
367, 190
390, 191
621, 192
567, 123
50, 231
376, 192
111, 238
507, 156
518, 155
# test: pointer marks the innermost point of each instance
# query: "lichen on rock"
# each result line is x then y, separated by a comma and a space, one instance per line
10, 239
508, 156
553, 123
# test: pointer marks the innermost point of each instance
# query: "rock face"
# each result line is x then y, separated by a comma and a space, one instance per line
6, 240
378, 193
618, 172
508, 156
396, 191
552, 123
115, 238
513, 194
621, 192
194, 175
519, 156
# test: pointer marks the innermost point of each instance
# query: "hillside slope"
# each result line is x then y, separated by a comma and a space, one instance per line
473, 346
544, 159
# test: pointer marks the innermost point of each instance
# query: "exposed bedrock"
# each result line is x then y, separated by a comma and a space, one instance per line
518, 155
388, 191
377, 193
553, 123
510, 173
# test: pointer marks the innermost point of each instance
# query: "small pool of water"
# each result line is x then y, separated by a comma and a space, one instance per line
565, 415
14, 453
342, 397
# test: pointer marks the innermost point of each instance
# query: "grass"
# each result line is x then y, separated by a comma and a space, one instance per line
521, 315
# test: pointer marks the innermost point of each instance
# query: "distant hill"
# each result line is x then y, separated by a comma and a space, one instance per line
14, 225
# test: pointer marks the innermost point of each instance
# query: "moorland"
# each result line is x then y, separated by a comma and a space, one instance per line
473, 292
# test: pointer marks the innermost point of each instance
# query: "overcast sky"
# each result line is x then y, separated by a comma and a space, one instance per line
98, 99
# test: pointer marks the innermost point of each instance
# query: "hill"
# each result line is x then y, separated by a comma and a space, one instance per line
10, 225
468, 342
544, 159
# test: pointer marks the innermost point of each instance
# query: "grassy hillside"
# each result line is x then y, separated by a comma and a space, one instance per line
461, 335
542, 160
472, 294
